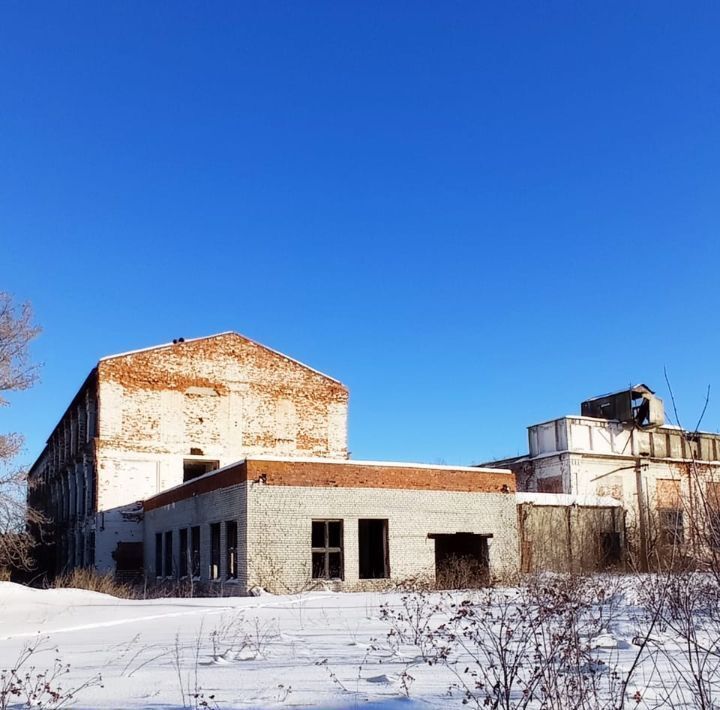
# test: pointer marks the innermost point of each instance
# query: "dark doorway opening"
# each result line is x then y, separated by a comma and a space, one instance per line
461, 561
610, 549
373, 546
128, 558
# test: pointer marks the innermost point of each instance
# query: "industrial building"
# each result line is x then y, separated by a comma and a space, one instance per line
620, 447
220, 460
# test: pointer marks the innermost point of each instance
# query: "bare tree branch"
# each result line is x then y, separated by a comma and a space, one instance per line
17, 372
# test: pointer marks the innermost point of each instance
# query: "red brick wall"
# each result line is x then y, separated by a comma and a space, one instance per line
342, 475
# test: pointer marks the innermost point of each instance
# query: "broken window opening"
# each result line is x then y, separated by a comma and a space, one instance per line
461, 561
183, 570
671, 527
373, 548
195, 550
327, 549
215, 551
128, 558
158, 555
168, 553
194, 468
231, 548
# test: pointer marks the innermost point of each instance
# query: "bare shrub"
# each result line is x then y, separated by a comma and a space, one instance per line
686, 608
89, 579
534, 646
461, 572
31, 686
184, 588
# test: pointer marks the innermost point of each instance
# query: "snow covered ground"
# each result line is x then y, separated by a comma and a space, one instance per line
276, 645
318, 649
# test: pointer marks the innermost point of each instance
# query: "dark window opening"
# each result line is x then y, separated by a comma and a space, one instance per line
373, 547
194, 468
327, 549
128, 558
90, 558
215, 551
461, 561
168, 553
183, 571
671, 527
158, 554
195, 551
231, 548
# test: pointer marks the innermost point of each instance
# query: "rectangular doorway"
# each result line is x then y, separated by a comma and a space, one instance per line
461, 561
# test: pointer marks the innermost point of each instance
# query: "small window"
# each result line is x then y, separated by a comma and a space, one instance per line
327, 549
193, 468
373, 549
231, 549
183, 570
158, 555
195, 551
168, 554
215, 551
671, 527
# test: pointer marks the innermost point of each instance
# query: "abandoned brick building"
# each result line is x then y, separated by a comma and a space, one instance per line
666, 479
220, 458
148, 420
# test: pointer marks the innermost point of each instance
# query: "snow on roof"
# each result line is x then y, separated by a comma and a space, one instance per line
361, 462
567, 499
220, 335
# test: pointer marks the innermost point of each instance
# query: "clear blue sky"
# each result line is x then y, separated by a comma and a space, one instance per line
473, 214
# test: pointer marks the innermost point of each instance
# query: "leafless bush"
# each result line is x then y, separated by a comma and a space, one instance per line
459, 572
89, 579
187, 669
30, 686
235, 638
184, 588
686, 640
534, 646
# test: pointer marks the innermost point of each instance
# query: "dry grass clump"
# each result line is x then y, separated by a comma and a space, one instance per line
84, 578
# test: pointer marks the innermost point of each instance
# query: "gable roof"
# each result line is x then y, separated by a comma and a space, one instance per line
225, 334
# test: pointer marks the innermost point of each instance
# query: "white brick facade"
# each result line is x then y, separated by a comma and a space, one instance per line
274, 523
